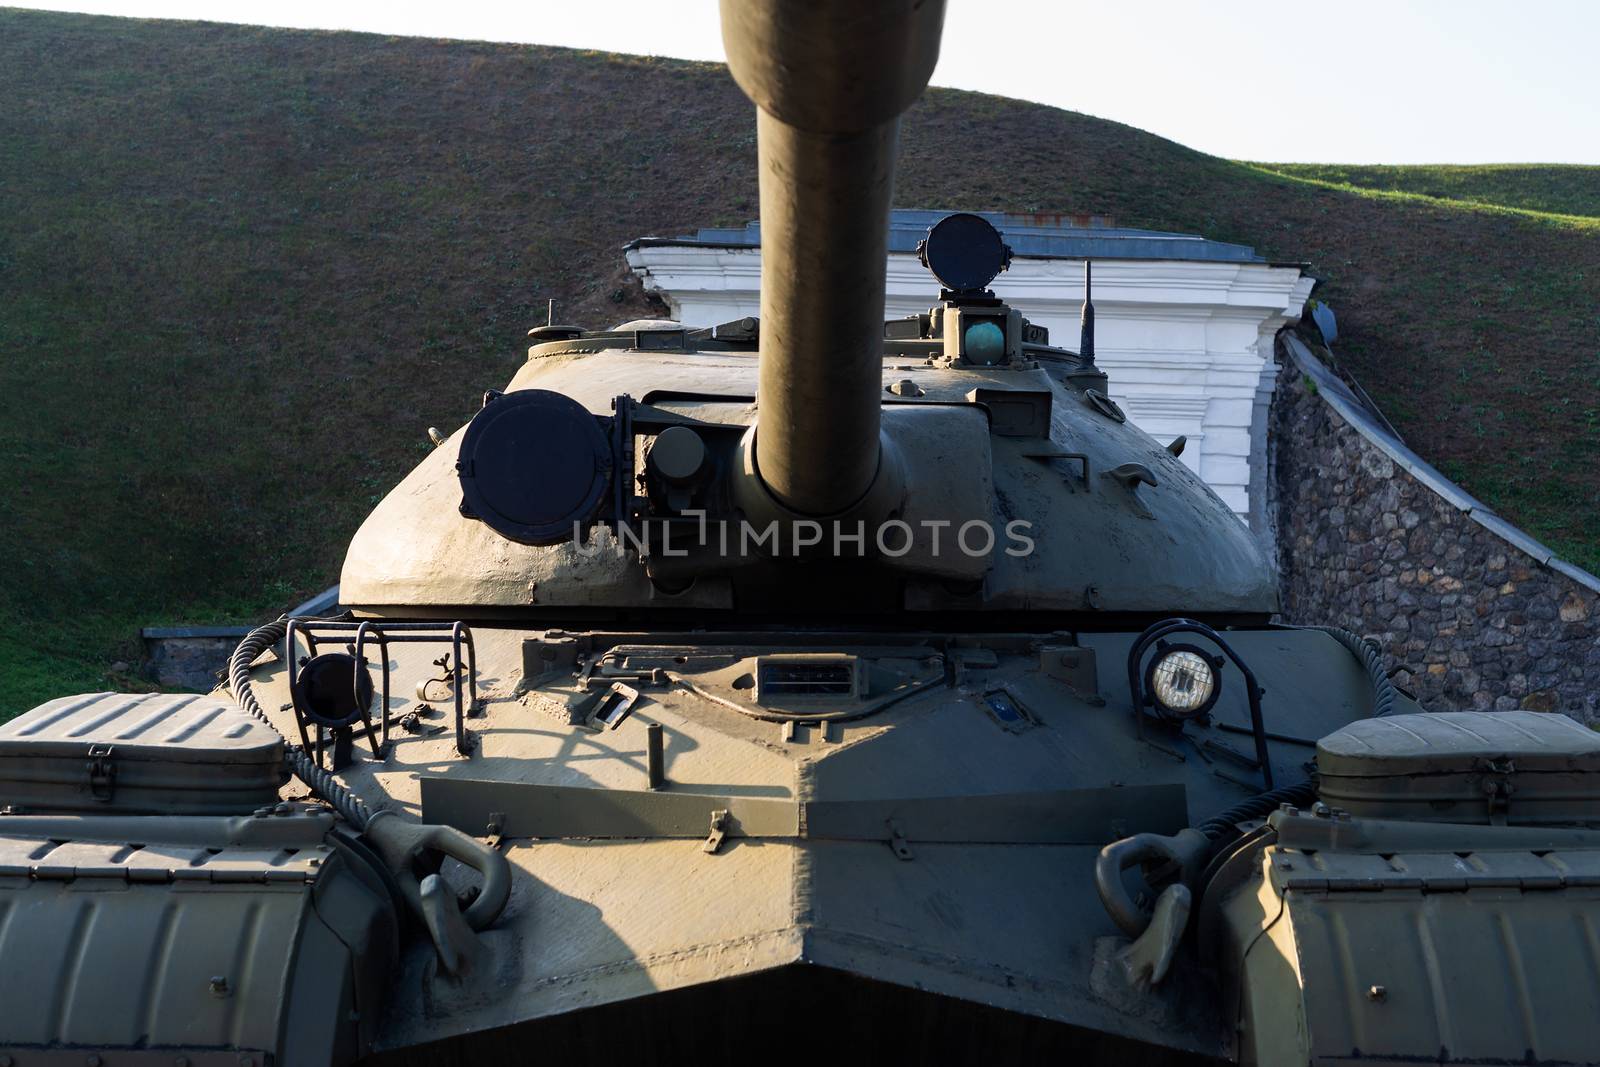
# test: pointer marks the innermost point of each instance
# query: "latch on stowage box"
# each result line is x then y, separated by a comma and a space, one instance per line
102, 773
1497, 774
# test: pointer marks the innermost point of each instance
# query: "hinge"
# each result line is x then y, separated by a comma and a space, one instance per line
102, 773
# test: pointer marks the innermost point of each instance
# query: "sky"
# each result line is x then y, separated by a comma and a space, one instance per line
1354, 81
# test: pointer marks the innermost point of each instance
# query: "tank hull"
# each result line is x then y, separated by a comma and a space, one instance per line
924, 851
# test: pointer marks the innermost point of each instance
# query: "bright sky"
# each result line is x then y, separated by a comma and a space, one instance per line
1347, 81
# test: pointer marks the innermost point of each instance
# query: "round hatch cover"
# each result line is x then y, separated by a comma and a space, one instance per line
965, 252
533, 464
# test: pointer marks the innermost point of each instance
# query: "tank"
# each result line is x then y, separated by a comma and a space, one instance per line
875, 685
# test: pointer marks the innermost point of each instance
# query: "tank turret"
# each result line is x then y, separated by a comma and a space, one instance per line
816, 456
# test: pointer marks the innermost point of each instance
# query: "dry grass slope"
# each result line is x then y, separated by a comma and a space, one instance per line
241, 270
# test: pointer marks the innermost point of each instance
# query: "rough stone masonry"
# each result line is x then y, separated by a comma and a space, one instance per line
1468, 620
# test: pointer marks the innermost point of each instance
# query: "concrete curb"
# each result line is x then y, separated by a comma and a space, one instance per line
194, 657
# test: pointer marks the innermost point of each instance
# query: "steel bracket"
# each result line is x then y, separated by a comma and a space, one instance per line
898, 842
611, 706
719, 831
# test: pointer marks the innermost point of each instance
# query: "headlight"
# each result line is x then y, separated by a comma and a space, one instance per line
1183, 681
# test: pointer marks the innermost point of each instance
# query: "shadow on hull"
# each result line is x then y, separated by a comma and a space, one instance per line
811, 1011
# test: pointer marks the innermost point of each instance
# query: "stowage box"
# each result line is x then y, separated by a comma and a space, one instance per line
1464, 767
167, 753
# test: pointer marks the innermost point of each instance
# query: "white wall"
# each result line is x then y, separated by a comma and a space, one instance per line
1187, 344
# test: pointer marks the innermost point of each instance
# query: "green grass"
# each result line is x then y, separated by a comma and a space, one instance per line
52, 655
242, 270
1550, 189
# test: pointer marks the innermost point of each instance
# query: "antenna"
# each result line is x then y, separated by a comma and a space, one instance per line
550, 312
1086, 330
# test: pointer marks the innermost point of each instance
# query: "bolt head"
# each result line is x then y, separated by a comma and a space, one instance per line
1377, 994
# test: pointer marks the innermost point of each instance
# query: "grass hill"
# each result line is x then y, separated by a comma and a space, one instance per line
1551, 189
241, 270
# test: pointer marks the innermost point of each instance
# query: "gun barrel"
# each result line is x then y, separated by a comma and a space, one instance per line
830, 79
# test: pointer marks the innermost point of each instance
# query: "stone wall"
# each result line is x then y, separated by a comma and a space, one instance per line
1370, 538
189, 657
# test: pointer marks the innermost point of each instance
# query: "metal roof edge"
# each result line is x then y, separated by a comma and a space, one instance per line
1541, 553
320, 604
1036, 235
729, 246
686, 242
1339, 396
1575, 572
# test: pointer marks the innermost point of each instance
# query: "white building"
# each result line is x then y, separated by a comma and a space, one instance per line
1184, 325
